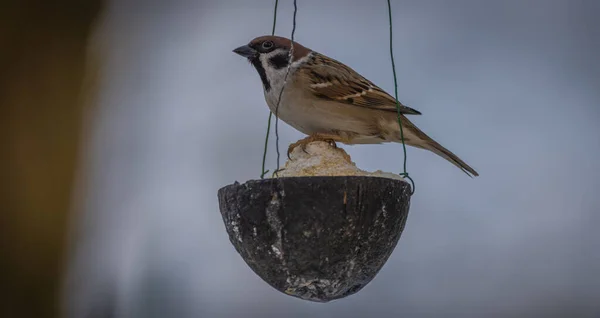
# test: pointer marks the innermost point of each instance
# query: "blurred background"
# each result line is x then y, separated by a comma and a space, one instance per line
121, 120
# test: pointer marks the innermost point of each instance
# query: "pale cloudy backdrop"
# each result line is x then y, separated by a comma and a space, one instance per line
511, 86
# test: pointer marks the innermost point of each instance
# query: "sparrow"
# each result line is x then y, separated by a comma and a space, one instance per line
329, 101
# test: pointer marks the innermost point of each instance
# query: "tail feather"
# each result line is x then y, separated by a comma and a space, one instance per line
416, 138
438, 149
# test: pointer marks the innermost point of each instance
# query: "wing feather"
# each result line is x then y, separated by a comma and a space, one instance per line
331, 80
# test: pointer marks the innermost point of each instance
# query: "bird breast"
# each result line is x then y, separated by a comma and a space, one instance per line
310, 115
293, 108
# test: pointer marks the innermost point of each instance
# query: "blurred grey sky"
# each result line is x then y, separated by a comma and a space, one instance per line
510, 86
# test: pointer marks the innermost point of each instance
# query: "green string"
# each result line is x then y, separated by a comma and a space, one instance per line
399, 116
264, 159
287, 73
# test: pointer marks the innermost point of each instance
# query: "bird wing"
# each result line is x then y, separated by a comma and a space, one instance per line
331, 80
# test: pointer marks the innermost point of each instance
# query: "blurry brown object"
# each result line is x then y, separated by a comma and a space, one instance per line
42, 66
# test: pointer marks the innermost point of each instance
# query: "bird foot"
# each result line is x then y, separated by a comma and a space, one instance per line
305, 141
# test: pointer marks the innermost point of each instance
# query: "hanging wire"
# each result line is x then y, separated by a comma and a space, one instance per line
399, 115
264, 159
290, 58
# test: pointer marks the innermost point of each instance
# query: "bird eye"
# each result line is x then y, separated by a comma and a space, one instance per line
267, 45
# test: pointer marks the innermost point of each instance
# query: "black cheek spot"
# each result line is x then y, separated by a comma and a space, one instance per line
279, 61
350, 100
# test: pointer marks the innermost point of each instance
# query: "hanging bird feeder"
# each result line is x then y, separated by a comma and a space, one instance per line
321, 230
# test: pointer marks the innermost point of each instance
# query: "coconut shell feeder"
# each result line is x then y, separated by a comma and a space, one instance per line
322, 229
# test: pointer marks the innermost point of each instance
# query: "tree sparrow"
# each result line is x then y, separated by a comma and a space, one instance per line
329, 101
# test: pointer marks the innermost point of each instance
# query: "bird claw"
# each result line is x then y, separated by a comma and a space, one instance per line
303, 147
331, 143
303, 143
290, 149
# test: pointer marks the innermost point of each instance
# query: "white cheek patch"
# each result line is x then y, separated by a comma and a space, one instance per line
277, 77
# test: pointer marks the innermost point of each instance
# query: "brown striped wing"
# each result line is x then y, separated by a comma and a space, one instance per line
331, 80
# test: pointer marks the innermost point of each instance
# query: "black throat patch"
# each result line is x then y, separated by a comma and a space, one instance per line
261, 72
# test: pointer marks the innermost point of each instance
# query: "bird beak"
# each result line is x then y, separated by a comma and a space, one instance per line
246, 51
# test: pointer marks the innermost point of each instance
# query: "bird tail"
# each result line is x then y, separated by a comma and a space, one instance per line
438, 149
425, 142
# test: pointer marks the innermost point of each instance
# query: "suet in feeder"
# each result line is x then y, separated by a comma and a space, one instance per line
322, 229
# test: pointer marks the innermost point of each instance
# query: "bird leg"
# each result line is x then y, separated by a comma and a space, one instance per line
314, 137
